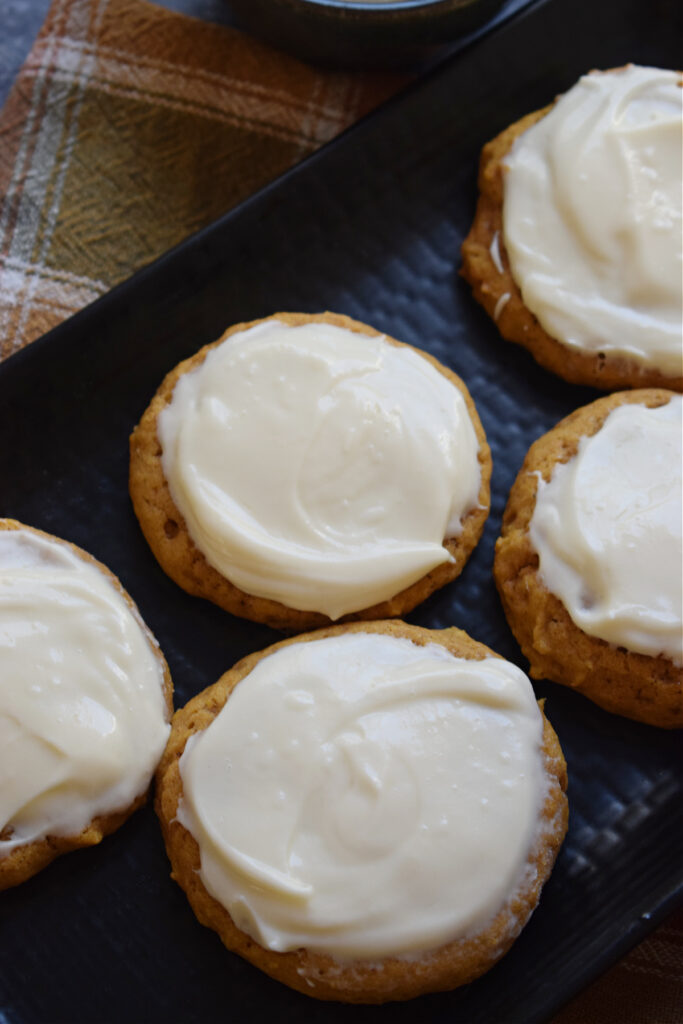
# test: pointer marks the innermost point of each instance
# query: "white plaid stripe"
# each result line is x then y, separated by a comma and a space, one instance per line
207, 94
20, 274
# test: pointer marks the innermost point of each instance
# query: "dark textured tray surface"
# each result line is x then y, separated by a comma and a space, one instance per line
370, 227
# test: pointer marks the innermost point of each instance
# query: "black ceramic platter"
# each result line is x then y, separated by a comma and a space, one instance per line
370, 226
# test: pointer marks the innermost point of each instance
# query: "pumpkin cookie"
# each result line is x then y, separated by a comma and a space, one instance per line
588, 564
575, 249
85, 702
367, 812
304, 469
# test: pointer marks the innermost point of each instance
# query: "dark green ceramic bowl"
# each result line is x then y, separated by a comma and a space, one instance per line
345, 33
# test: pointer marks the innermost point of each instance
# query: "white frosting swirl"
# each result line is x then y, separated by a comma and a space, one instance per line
607, 529
319, 467
592, 216
82, 714
363, 796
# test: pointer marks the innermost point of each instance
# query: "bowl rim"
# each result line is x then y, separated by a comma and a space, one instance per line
379, 6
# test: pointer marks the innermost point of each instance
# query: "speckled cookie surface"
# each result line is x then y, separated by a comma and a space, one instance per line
26, 860
647, 689
494, 287
319, 975
167, 535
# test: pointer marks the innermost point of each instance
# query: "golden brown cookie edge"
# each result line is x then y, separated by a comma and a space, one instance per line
27, 860
608, 371
319, 975
637, 686
166, 532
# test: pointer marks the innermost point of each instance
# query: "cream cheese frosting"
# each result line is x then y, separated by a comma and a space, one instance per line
317, 466
363, 796
592, 216
607, 529
82, 713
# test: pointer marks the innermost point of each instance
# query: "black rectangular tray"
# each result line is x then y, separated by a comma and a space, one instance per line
370, 226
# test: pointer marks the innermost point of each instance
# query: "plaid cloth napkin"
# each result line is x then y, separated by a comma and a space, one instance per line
130, 127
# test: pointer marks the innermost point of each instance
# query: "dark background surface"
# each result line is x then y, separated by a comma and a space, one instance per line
371, 226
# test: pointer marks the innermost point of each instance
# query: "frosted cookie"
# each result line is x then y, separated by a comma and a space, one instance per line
576, 246
367, 812
304, 469
85, 701
588, 565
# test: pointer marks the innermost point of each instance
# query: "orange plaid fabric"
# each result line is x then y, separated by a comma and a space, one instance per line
130, 127
645, 987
